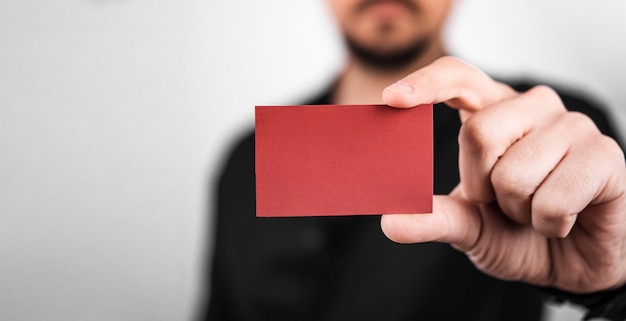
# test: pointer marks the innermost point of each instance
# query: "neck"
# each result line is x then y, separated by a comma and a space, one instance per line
363, 84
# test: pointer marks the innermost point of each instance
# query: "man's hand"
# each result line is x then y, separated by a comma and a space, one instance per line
542, 193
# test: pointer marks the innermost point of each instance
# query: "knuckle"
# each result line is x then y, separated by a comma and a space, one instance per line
451, 61
609, 146
511, 181
547, 95
579, 122
544, 91
477, 135
455, 63
553, 209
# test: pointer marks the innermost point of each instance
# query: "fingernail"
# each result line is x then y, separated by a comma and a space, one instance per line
402, 87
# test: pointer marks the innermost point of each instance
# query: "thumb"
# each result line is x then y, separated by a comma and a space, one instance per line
453, 221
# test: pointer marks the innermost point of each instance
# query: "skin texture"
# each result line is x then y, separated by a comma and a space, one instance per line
542, 192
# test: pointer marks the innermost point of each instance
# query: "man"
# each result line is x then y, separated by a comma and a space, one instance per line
535, 207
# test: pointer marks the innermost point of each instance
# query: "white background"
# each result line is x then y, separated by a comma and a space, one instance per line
115, 113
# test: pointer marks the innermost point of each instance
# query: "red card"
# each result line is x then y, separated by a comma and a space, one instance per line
343, 160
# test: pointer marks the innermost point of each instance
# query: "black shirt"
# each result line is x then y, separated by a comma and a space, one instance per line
344, 268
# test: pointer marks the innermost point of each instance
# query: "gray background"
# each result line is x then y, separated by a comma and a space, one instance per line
114, 115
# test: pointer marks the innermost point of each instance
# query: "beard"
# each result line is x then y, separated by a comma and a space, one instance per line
386, 59
379, 55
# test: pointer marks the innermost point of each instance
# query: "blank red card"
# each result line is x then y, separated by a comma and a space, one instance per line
343, 160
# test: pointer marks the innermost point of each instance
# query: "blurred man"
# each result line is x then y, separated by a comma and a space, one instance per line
534, 205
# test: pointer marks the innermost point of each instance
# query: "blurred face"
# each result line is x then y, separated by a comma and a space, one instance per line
389, 32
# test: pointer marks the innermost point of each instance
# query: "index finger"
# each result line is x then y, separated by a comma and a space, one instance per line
448, 80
